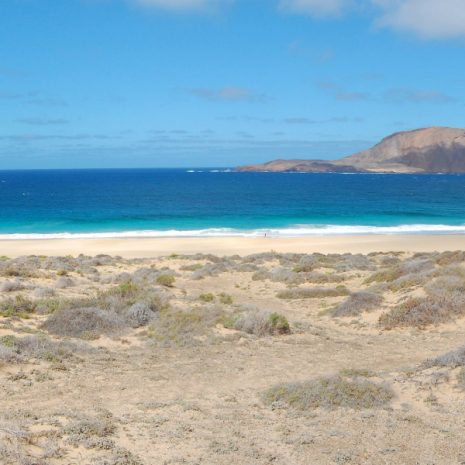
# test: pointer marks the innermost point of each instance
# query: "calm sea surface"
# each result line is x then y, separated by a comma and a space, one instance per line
203, 202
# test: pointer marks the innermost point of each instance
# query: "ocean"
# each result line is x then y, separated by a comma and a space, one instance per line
218, 202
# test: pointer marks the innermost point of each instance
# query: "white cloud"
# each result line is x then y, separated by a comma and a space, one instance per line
314, 7
426, 18
182, 6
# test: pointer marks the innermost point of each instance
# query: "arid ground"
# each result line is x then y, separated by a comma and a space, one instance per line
272, 358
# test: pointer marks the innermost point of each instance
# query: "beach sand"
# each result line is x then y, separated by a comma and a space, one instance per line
154, 247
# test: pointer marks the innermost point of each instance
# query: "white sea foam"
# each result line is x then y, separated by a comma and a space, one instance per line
294, 231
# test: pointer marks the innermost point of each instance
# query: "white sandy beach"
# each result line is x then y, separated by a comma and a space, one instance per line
153, 247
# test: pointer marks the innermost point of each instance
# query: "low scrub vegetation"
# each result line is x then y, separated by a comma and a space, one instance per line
166, 280
313, 292
420, 312
410, 267
109, 313
261, 323
452, 359
331, 392
175, 327
357, 303
17, 307
12, 286
22, 349
85, 323
208, 297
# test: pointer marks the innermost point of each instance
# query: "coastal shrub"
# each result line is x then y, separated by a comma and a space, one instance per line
452, 359
85, 323
262, 323
151, 275
306, 264
461, 379
166, 280
174, 327
43, 292
209, 297
331, 392
408, 267
421, 312
120, 456
211, 269
64, 282
191, 267
389, 260
225, 299
121, 297
312, 292
349, 262
7, 355
322, 278
139, 314
384, 275
246, 268
41, 347
15, 270
357, 303
261, 275
122, 306
17, 307
410, 280
85, 429
447, 284
11, 286
448, 258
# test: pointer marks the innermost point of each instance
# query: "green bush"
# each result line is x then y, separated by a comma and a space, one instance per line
207, 297
166, 280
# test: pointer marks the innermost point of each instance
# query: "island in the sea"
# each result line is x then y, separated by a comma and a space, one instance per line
427, 150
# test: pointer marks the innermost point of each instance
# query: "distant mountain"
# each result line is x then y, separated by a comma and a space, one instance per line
428, 150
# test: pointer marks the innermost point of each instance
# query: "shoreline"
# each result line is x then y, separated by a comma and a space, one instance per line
155, 247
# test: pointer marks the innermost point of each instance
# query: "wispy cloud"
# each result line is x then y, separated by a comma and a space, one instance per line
229, 94
184, 6
315, 7
417, 96
335, 119
38, 121
339, 93
32, 98
425, 18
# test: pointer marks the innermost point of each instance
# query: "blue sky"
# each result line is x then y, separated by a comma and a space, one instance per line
168, 83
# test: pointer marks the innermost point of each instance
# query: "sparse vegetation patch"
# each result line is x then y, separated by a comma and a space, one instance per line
331, 392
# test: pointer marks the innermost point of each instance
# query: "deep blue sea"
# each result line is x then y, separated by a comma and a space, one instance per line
205, 202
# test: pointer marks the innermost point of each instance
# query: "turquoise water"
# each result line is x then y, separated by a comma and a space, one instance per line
204, 202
